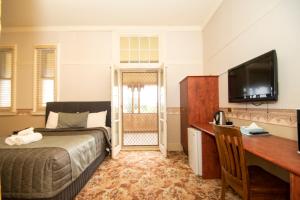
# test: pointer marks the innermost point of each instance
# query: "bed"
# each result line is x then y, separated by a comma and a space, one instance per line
59, 165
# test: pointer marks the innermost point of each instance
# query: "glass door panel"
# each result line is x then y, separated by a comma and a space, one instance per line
115, 121
162, 111
140, 106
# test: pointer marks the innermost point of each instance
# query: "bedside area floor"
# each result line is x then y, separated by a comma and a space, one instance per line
147, 175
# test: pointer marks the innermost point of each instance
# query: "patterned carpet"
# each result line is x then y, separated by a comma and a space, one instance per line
147, 175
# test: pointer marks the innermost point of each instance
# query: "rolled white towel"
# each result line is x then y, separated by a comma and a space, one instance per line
11, 140
26, 131
29, 138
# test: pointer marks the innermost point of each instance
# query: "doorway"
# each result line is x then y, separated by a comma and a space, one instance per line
140, 109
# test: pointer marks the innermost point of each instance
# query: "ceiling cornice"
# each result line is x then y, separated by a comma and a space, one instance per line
99, 28
211, 14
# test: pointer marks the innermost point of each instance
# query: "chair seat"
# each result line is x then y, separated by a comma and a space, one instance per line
262, 182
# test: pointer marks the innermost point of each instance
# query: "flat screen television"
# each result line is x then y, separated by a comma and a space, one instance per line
254, 80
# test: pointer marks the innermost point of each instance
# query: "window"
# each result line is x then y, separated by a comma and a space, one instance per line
139, 50
140, 92
140, 99
7, 79
45, 76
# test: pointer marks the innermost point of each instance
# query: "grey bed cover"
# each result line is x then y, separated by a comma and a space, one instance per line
43, 169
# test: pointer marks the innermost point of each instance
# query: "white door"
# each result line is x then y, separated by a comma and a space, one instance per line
115, 111
162, 110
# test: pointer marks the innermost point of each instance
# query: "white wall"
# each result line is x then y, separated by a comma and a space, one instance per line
241, 30
85, 58
183, 56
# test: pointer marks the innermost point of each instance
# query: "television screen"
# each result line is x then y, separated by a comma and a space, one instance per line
254, 80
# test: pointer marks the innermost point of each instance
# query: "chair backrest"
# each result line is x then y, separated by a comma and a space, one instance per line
232, 159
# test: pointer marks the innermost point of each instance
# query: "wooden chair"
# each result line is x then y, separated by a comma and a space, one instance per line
250, 182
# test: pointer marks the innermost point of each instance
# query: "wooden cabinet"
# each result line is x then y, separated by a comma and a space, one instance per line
199, 100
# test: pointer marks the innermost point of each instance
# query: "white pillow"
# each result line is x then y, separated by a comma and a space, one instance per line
96, 119
52, 120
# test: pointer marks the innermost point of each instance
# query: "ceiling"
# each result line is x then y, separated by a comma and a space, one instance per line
44, 13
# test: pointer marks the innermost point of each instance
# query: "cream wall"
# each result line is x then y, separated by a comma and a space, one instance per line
183, 56
241, 30
85, 58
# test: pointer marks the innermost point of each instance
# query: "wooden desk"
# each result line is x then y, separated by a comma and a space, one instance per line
279, 151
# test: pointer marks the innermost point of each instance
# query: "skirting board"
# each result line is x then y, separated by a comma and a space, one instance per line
174, 147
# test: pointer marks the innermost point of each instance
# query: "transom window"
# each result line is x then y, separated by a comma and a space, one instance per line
139, 50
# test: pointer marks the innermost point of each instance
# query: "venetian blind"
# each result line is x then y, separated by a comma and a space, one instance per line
45, 76
139, 50
0, 15
7, 92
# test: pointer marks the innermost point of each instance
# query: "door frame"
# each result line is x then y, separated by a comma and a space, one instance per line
163, 144
115, 77
138, 70
131, 68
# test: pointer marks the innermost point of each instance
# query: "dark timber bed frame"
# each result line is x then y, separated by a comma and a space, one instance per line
74, 188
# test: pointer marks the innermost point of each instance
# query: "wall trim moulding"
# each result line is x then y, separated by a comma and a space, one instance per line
24, 111
99, 28
183, 62
173, 110
28, 111
283, 117
95, 65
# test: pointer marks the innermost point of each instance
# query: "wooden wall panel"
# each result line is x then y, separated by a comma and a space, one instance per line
295, 187
211, 167
203, 99
184, 114
199, 100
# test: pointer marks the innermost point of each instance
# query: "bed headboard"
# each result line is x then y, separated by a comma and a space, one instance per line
84, 106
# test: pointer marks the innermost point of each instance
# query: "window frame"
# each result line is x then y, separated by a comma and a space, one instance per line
38, 109
12, 109
138, 65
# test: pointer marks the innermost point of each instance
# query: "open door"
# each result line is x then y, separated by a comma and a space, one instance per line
116, 111
162, 110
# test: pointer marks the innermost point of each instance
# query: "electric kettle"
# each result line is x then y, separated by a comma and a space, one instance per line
219, 118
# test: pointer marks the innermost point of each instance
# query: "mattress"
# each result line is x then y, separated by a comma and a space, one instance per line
45, 168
